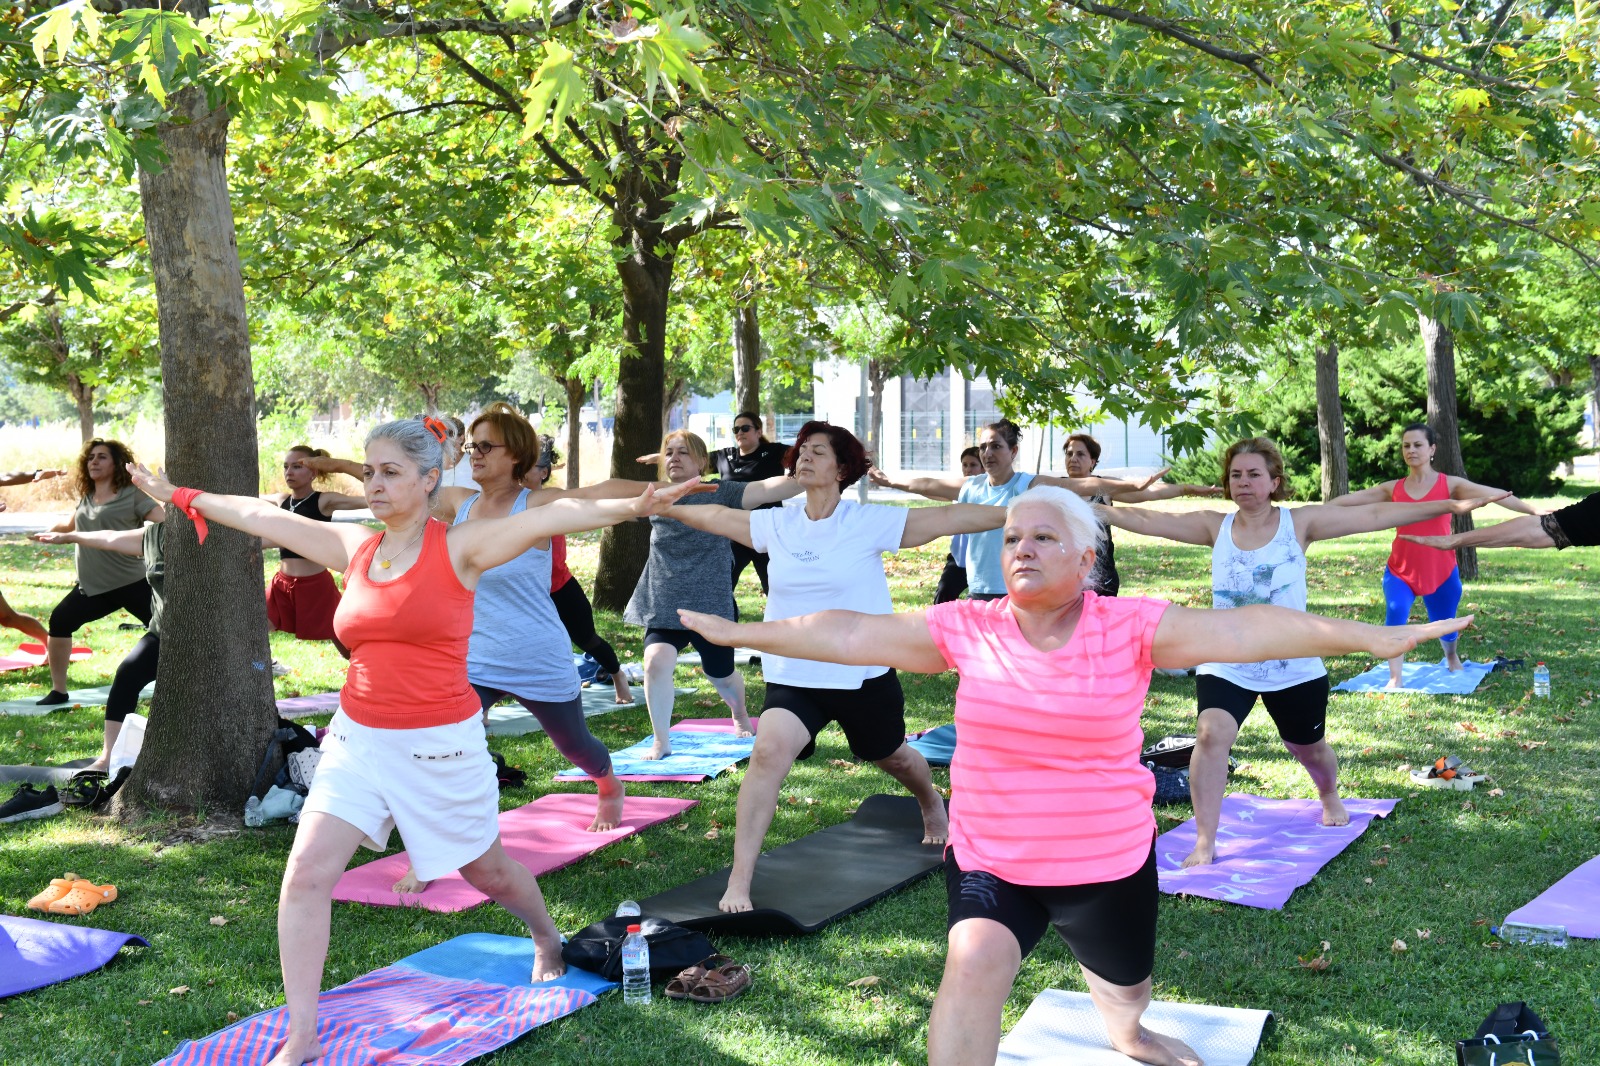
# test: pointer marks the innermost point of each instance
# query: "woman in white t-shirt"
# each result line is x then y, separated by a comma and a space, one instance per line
1258, 555
827, 553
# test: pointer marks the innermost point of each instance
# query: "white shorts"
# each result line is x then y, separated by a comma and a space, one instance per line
436, 785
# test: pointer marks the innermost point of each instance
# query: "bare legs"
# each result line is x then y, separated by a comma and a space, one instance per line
731, 689
619, 681
113, 730
58, 651
1323, 766
660, 660
979, 969
908, 767
508, 882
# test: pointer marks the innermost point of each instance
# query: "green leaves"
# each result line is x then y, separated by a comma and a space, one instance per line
555, 91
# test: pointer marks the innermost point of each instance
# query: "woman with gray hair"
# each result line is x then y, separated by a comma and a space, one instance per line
406, 750
1052, 684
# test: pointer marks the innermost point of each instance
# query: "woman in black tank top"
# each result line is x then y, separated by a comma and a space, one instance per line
303, 597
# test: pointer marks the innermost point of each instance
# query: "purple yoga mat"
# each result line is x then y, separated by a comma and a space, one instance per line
297, 706
1266, 848
36, 953
688, 725
1573, 901
547, 834
397, 1016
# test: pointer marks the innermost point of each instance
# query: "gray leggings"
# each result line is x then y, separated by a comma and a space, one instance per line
564, 722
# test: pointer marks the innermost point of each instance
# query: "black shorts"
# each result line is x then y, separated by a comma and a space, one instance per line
1110, 926
873, 717
1299, 711
984, 595
715, 660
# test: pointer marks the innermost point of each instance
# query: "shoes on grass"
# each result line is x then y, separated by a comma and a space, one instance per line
81, 898
279, 669
29, 802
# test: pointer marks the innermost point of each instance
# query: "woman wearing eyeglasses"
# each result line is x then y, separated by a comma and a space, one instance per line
752, 458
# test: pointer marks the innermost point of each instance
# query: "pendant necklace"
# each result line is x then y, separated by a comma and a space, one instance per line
384, 563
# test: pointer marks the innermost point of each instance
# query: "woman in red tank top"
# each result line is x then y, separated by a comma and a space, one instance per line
408, 751
1415, 570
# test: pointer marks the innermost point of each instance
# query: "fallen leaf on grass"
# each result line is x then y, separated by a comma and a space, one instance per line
1424, 934
1529, 745
1480, 921
1466, 727
864, 982
1183, 953
181, 990
1318, 962
233, 1016
1380, 861
146, 1002
217, 919
1368, 880
1563, 718
1509, 734
712, 834
1497, 792
1403, 767
1398, 946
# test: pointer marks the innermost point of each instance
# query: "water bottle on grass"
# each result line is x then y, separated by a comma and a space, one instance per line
635, 967
1541, 680
627, 909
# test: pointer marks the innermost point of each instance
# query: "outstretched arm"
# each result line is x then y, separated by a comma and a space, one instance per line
934, 488
774, 489
845, 637
730, 522
1099, 486
1528, 531
1383, 493
1322, 522
482, 545
1462, 489
1187, 637
330, 502
325, 464
930, 523
28, 477
1164, 491
326, 543
123, 541
1189, 527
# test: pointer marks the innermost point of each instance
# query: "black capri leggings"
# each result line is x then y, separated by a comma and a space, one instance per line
134, 672
572, 604
77, 610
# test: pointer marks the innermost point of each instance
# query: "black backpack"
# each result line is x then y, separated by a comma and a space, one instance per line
598, 948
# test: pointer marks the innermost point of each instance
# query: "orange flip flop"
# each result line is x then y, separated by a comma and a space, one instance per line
83, 898
59, 887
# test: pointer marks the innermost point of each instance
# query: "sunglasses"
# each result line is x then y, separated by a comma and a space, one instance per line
744, 429
482, 448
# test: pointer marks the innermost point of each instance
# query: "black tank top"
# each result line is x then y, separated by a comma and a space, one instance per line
310, 507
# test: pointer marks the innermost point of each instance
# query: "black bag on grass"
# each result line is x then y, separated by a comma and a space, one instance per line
1511, 1034
598, 948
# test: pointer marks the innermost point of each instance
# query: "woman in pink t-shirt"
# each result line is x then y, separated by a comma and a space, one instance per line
1050, 809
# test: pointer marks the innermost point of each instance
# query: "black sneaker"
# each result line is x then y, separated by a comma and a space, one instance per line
28, 802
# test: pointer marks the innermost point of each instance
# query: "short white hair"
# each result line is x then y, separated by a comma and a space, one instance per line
1082, 525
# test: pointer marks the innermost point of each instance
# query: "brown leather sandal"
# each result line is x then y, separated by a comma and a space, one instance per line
722, 983
686, 980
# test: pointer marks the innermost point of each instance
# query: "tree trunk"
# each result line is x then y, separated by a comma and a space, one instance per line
83, 396
1330, 423
1439, 352
876, 377
1594, 400
575, 388
747, 357
636, 427
430, 398
213, 711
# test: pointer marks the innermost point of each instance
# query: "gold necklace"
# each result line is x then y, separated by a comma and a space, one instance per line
384, 563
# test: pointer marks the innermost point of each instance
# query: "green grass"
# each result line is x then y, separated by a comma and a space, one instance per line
1446, 862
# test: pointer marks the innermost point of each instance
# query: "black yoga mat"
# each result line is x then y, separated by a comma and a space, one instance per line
818, 879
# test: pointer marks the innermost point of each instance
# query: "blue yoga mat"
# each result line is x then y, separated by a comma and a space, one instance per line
706, 754
938, 746
36, 953
1433, 678
496, 960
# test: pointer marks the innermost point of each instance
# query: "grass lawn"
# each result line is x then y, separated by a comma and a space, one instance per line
1436, 874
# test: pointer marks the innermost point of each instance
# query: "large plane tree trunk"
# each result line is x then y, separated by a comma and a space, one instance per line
747, 357
1439, 352
1330, 422
575, 389
213, 710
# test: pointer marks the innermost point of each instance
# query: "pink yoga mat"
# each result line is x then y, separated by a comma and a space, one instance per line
30, 655
1573, 901
1266, 848
544, 835
688, 725
296, 706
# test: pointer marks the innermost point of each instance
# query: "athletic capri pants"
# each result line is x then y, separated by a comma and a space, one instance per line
1441, 603
1110, 926
577, 615
743, 556
564, 722
952, 581
715, 660
873, 717
136, 670
77, 609
303, 606
1299, 711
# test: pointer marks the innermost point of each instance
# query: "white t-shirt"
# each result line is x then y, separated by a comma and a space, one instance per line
459, 476
835, 564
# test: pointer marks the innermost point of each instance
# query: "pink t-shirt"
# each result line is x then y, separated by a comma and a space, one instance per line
1046, 784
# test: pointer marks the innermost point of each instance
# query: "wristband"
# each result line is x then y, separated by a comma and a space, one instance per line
184, 500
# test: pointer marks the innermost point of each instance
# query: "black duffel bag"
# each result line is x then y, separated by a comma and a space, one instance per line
1511, 1034
598, 948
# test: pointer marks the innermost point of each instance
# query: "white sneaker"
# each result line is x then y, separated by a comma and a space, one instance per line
279, 669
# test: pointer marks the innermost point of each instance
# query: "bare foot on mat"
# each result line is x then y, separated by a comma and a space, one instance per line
1333, 812
935, 823
410, 885
624, 693
547, 964
297, 1050
736, 899
608, 813
1161, 1050
659, 750
1202, 855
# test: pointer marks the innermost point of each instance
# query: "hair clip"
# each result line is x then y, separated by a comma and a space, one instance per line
436, 427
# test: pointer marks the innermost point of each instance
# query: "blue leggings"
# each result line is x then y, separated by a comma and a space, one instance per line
1441, 603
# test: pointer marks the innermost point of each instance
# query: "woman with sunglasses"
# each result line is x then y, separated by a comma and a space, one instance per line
752, 458
406, 749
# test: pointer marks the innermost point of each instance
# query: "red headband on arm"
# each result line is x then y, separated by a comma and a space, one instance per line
183, 499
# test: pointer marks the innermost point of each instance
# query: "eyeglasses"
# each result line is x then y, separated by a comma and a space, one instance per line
482, 448
744, 429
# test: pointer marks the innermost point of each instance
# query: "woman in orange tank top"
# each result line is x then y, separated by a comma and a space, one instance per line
407, 750
1415, 570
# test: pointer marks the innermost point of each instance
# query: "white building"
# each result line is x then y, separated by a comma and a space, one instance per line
927, 423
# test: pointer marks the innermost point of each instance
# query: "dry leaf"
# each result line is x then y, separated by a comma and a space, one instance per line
1368, 880
179, 991
1398, 946
1183, 953
1481, 921
1529, 745
146, 1002
1508, 734
1466, 727
1424, 934
712, 834
1380, 861
1497, 792
1403, 767
217, 919
233, 1016
864, 982
1318, 962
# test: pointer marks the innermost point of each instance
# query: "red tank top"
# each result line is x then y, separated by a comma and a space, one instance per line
1424, 569
407, 639
559, 574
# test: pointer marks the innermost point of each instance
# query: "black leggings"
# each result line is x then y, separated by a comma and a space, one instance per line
572, 604
134, 672
77, 610
952, 581
743, 556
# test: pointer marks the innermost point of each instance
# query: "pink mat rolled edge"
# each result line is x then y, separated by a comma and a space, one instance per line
544, 835
688, 725
24, 658
1569, 902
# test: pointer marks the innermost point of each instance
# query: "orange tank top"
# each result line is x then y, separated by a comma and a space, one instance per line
1424, 569
407, 639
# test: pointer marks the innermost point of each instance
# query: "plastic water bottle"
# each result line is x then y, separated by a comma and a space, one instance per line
252, 813
1541, 680
635, 967
627, 909
1553, 936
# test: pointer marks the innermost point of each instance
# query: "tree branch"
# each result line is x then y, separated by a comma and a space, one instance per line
1250, 61
482, 105
328, 44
